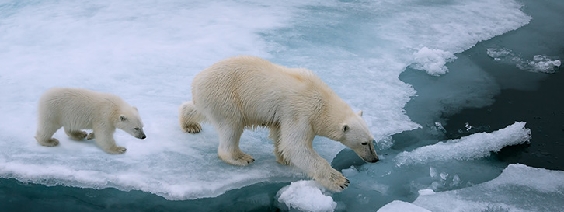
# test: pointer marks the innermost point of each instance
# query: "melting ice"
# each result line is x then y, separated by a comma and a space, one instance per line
534, 190
466, 148
148, 53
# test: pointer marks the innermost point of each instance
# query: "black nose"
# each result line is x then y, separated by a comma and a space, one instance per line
374, 161
143, 137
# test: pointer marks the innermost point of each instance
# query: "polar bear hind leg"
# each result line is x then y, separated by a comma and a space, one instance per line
190, 118
76, 135
45, 131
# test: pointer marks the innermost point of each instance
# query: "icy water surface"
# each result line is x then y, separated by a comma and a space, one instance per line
409, 65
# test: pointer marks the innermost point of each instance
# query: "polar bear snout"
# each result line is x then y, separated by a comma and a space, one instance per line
140, 135
366, 152
374, 160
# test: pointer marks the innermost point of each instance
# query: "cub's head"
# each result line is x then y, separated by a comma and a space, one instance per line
130, 122
354, 134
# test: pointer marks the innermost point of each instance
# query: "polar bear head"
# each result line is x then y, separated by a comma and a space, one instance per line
130, 122
355, 134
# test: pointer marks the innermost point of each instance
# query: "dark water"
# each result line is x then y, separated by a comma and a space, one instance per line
535, 98
17, 196
518, 95
542, 109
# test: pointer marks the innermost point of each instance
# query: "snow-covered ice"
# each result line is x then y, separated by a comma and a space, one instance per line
147, 52
306, 196
469, 147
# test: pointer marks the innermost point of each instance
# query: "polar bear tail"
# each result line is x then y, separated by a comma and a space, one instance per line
190, 118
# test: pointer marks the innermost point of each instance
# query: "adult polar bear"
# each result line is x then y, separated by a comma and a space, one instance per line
296, 105
76, 109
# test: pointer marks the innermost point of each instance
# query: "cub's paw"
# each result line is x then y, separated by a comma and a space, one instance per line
49, 143
192, 128
334, 181
116, 150
78, 135
90, 136
240, 159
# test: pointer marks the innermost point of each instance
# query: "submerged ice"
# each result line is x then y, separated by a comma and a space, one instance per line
540, 63
148, 53
533, 189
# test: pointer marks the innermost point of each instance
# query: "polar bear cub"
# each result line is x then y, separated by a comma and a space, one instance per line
76, 109
295, 104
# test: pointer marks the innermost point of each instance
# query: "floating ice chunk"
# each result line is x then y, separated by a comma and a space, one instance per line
542, 180
544, 192
469, 147
426, 191
433, 172
540, 63
398, 205
497, 54
349, 172
306, 196
432, 60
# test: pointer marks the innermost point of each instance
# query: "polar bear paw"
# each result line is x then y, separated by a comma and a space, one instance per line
116, 150
192, 128
334, 181
239, 159
90, 136
77, 135
49, 143
280, 158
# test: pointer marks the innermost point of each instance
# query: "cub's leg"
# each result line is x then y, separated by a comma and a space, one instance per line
190, 118
76, 135
105, 140
275, 136
45, 131
228, 150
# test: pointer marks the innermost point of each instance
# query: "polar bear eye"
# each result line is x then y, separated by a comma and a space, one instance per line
137, 128
364, 143
346, 128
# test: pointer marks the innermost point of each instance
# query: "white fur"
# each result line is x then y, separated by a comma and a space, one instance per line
296, 105
76, 109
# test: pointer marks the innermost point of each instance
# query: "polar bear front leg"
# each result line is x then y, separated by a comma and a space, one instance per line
275, 136
228, 149
296, 146
105, 140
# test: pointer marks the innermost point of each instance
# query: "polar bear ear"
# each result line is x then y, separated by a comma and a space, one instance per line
122, 118
359, 113
135, 108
